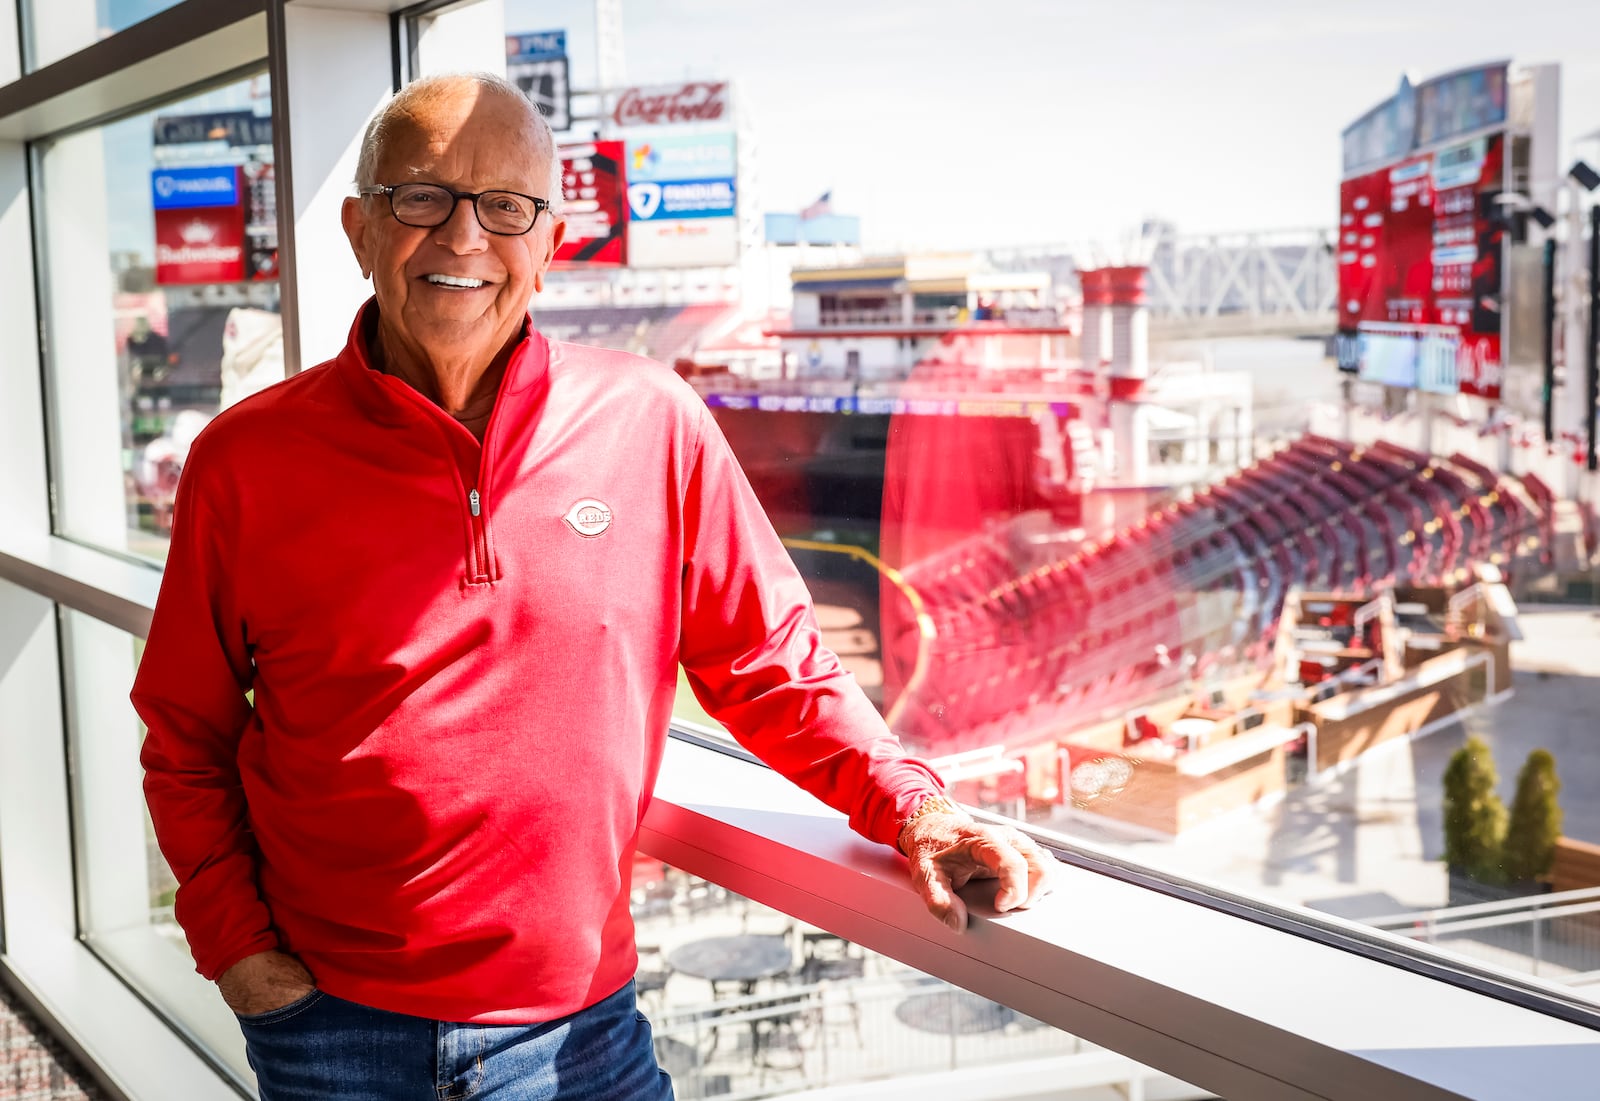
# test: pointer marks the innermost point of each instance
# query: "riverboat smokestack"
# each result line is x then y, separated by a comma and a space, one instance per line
1095, 343
1130, 322
1130, 366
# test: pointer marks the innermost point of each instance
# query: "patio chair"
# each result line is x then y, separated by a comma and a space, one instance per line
686, 1066
778, 1034
650, 981
832, 959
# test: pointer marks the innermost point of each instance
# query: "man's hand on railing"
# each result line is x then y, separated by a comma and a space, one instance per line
947, 851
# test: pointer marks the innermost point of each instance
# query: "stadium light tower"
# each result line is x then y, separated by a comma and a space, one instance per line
1588, 179
1512, 204
610, 60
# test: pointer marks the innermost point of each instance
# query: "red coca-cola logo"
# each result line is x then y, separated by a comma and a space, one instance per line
696, 101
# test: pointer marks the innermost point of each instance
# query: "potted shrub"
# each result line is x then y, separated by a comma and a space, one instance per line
1535, 820
1474, 823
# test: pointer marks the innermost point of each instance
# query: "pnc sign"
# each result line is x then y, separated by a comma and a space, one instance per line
670, 104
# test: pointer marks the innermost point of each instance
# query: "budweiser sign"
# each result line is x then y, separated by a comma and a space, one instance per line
200, 245
663, 104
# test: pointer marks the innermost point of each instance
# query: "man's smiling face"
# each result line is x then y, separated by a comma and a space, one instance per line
456, 292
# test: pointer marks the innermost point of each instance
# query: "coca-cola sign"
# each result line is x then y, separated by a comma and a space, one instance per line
667, 104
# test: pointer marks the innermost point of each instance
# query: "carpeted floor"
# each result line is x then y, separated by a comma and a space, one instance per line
32, 1066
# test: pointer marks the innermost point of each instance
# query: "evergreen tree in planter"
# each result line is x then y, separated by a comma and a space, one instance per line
1474, 817
1535, 819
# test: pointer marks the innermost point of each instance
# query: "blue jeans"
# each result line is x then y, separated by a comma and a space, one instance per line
323, 1048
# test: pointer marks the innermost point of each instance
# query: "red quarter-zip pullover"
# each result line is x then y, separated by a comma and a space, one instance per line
463, 661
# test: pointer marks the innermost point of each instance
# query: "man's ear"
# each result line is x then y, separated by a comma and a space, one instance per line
353, 214
558, 233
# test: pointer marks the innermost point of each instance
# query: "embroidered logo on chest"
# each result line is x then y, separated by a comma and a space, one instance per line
589, 517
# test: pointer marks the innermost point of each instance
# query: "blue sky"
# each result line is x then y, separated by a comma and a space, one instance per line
1017, 121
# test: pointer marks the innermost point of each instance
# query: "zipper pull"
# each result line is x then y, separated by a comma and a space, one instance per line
474, 500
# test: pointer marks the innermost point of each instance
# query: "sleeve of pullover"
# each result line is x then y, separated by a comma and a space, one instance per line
754, 657
190, 692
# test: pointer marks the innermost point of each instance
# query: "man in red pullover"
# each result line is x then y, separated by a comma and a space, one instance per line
458, 566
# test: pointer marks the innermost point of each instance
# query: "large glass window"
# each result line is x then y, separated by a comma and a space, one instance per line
159, 236
1245, 556
60, 27
1116, 534
125, 889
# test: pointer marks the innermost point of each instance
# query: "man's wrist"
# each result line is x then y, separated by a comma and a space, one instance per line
931, 804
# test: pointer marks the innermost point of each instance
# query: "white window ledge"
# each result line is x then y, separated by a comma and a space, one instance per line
111, 589
131, 1053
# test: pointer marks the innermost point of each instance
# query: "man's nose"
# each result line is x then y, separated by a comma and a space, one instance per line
461, 232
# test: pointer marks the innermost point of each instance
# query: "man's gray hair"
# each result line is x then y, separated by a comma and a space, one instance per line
429, 89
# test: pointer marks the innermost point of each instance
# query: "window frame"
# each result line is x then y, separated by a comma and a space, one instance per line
38, 149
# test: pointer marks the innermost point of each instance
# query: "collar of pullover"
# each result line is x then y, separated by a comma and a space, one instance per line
390, 400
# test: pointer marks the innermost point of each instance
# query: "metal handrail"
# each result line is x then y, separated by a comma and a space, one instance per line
1497, 921
1445, 913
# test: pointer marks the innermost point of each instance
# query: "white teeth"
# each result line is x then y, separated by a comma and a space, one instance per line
454, 281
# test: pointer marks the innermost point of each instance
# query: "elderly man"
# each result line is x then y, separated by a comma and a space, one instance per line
458, 566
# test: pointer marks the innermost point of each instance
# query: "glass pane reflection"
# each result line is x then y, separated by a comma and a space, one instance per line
1162, 608
160, 252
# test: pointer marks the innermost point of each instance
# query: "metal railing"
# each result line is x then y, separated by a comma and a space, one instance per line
1540, 934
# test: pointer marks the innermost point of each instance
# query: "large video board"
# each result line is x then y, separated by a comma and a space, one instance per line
1421, 249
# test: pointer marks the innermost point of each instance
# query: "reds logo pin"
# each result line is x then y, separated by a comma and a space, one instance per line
589, 517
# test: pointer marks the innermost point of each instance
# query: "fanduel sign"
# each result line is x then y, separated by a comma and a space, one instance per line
668, 104
681, 199
181, 188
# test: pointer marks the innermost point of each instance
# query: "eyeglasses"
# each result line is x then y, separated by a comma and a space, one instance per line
424, 205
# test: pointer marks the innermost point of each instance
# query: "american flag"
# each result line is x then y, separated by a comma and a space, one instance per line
822, 206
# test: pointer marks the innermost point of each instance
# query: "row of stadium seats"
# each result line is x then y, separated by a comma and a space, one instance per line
1202, 581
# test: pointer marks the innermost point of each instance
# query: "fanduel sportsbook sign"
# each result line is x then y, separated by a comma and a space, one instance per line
174, 188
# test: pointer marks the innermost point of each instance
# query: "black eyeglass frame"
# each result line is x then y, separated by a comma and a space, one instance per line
539, 205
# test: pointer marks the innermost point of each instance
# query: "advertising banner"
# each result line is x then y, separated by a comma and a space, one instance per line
671, 104
682, 157
199, 224
594, 204
682, 200
685, 243
676, 199
181, 188
536, 62
200, 245
1082, 446
240, 129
